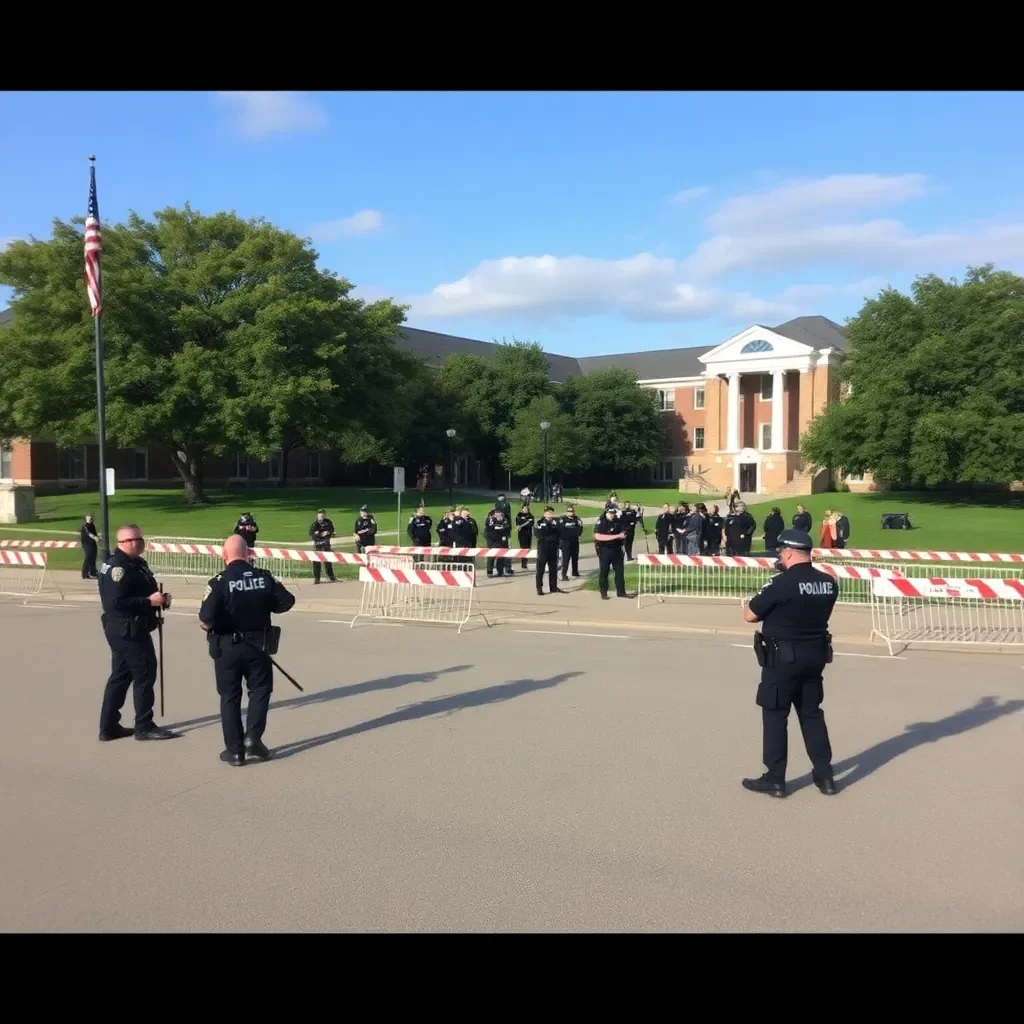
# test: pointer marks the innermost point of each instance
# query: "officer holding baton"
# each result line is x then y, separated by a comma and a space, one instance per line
793, 647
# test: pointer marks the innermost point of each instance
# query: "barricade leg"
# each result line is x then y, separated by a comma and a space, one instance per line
25, 574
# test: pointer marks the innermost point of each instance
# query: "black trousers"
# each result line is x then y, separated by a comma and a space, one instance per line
235, 663
796, 685
88, 561
501, 563
570, 553
329, 566
609, 559
526, 541
133, 663
664, 545
547, 558
630, 534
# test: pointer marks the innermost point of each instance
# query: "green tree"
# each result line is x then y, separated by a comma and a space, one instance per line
936, 385
620, 419
219, 332
567, 443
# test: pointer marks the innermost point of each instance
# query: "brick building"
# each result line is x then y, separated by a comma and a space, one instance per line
737, 411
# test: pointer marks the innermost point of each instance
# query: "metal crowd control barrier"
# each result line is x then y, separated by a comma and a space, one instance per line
448, 559
975, 611
24, 573
443, 596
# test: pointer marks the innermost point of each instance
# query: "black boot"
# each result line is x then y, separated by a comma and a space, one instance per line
765, 785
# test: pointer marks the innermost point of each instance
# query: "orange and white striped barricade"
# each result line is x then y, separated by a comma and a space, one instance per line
24, 573
38, 543
736, 577
441, 596
447, 559
932, 610
195, 558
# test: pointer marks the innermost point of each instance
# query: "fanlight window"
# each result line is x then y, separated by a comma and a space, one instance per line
756, 346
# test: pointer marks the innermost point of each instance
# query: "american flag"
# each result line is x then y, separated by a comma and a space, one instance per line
93, 247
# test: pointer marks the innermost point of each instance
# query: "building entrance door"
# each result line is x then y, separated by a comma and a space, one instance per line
748, 478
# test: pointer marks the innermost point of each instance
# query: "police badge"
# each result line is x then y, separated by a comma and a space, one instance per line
117, 573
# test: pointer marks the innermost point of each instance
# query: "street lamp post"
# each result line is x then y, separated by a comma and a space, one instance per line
544, 425
451, 465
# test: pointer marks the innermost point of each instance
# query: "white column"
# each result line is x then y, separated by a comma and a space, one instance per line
732, 443
778, 441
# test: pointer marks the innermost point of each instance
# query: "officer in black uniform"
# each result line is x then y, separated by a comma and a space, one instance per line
496, 533
236, 614
664, 527
90, 545
419, 528
446, 530
524, 528
628, 518
130, 601
793, 648
608, 536
546, 529
321, 532
247, 528
365, 530
570, 529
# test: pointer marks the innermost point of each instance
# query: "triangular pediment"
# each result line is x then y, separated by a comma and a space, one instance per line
756, 345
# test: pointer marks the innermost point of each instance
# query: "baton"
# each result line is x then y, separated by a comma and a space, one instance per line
275, 664
160, 632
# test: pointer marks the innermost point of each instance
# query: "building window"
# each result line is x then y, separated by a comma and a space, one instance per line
855, 478
6, 461
665, 471
698, 438
71, 463
274, 465
666, 400
767, 387
766, 436
312, 465
238, 466
698, 398
133, 463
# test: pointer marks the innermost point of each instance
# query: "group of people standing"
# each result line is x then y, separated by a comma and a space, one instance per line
693, 530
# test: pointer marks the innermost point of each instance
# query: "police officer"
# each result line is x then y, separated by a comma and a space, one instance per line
90, 545
365, 530
793, 648
608, 536
524, 528
419, 528
570, 529
547, 531
130, 601
629, 518
235, 613
664, 527
321, 531
247, 528
446, 530
496, 532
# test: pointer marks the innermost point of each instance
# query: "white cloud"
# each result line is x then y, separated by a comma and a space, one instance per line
258, 115
805, 225
688, 195
807, 198
365, 222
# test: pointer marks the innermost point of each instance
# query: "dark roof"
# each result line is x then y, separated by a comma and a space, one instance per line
817, 331
434, 348
660, 364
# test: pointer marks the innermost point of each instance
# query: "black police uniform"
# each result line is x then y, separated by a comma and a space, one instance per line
609, 554
446, 533
663, 527
365, 530
237, 607
570, 529
90, 546
547, 531
794, 609
496, 533
128, 619
247, 527
321, 531
464, 535
419, 529
628, 518
524, 527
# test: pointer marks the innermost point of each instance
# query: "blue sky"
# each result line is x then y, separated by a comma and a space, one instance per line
589, 222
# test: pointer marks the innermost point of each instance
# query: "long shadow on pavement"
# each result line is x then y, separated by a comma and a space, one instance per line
336, 693
988, 709
424, 709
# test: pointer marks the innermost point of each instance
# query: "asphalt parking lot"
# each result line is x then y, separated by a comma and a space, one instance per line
506, 779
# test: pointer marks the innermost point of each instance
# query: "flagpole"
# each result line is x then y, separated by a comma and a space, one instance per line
100, 387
